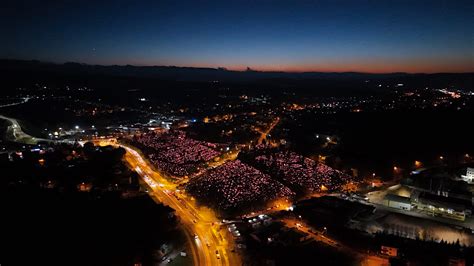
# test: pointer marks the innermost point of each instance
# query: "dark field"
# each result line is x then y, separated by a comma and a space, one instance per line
378, 141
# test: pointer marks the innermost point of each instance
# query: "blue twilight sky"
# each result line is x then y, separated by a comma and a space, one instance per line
337, 35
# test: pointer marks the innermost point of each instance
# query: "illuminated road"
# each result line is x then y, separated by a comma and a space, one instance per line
316, 235
263, 135
25, 100
210, 244
364, 257
17, 133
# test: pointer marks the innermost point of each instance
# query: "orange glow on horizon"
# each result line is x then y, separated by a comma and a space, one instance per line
363, 66
376, 65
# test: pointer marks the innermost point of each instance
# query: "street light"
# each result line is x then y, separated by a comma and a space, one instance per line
417, 164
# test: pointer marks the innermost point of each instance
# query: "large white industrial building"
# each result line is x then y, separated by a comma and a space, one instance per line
398, 202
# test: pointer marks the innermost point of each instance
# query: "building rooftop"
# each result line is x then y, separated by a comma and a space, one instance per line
443, 202
397, 198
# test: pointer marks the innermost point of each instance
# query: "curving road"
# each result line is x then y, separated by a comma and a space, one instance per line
211, 244
17, 133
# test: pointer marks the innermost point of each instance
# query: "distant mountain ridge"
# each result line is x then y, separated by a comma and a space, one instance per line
16, 73
192, 73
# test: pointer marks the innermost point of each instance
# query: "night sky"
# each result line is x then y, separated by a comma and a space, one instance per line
368, 36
